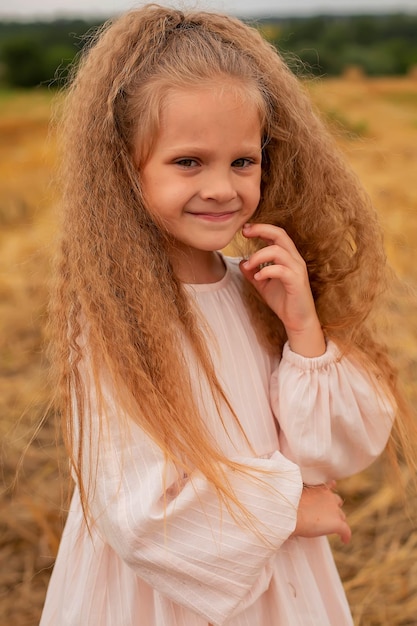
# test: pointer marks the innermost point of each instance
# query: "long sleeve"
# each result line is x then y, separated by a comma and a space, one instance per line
162, 550
334, 420
177, 536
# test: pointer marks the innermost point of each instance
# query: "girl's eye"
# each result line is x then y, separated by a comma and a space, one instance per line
186, 162
241, 162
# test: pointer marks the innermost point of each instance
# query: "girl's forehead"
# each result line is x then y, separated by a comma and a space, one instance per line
234, 95
222, 92
218, 95
188, 111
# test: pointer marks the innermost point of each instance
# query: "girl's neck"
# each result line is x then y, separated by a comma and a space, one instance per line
198, 267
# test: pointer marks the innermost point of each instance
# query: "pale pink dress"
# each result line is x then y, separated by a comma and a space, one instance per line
195, 565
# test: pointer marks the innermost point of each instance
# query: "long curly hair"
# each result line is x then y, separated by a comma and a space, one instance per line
115, 286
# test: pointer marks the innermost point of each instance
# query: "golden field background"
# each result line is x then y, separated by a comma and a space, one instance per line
376, 125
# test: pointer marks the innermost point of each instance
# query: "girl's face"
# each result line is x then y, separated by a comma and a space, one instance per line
202, 178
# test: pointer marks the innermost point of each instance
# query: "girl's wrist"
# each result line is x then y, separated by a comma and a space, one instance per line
309, 342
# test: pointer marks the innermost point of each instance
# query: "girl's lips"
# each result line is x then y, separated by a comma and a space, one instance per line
214, 217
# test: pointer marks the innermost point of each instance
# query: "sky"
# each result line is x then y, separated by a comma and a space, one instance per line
48, 9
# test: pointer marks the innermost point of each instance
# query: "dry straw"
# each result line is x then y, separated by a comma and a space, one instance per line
379, 567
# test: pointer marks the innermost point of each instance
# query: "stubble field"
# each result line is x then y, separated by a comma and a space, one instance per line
376, 126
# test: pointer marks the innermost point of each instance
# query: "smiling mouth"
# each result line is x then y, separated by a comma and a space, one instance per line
214, 217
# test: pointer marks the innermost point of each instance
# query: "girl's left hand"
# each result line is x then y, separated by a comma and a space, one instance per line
279, 274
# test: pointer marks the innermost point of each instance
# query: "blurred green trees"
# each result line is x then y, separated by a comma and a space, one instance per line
39, 53
327, 45
33, 54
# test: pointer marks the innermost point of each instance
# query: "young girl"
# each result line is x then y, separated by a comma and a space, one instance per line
208, 404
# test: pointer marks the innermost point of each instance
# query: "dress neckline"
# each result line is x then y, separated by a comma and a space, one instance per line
220, 284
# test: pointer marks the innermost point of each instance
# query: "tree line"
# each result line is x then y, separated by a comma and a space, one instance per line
380, 45
40, 53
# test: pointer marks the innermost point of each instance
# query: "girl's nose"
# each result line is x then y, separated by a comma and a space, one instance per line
218, 186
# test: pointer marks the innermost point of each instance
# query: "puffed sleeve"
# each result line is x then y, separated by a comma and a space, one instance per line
334, 420
175, 533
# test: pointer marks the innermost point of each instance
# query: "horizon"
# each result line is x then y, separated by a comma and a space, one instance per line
94, 17
53, 10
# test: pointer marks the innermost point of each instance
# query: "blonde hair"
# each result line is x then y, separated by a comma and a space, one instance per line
114, 276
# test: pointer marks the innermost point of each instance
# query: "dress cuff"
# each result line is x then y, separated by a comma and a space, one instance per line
331, 356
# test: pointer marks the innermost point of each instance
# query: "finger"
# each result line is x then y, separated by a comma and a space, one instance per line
284, 274
261, 272
274, 255
247, 272
270, 234
274, 265
339, 499
345, 533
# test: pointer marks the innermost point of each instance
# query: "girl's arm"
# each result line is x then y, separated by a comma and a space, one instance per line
334, 419
279, 274
320, 513
173, 531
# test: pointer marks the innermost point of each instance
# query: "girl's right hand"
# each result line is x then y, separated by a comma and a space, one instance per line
320, 513
279, 274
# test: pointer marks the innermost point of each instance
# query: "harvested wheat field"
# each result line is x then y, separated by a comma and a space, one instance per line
376, 126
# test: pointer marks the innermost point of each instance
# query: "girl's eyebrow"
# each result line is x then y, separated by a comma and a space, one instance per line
193, 149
